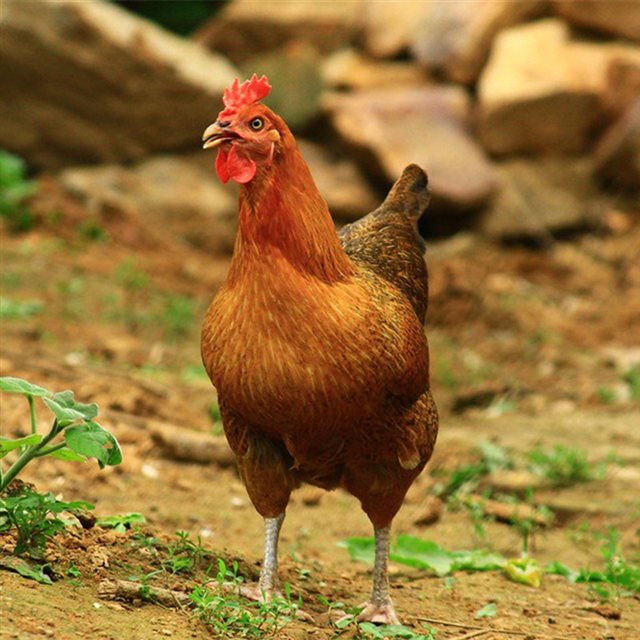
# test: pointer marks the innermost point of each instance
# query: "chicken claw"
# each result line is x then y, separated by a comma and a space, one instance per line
379, 613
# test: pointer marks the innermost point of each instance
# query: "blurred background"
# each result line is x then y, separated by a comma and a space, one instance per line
115, 232
526, 115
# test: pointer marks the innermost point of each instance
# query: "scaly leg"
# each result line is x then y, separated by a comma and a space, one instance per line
380, 608
269, 583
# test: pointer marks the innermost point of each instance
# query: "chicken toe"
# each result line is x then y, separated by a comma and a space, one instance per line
379, 613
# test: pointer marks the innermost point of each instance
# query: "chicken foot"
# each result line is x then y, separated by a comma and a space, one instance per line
269, 584
380, 609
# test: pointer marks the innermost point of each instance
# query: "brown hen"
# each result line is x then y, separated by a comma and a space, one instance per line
315, 342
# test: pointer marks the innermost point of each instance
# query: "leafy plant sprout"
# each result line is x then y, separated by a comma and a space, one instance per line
34, 517
82, 437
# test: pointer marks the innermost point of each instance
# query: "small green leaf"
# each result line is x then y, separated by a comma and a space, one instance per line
557, 568
524, 570
18, 385
422, 554
10, 445
91, 440
362, 549
120, 523
67, 454
67, 410
65, 399
488, 611
26, 570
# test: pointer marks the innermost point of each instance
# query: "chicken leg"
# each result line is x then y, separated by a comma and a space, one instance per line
269, 583
380, 609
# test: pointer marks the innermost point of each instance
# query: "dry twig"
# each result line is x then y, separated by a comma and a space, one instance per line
132, 591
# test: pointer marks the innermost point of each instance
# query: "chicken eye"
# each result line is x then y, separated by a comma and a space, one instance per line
256, 124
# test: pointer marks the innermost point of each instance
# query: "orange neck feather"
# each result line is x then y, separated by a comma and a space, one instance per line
282, 212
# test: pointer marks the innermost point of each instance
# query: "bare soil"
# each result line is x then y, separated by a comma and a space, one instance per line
528, 347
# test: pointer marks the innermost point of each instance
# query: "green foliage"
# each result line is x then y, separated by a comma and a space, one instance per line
130, 276
216, 418
619, 578
92, 231
371, 631
178, 315
466, 478
19, 309
35, 518
488, 611
563, 466
120, 524
632, 378
184, 555
524, 570
426, 554
229, 615
78, 436
15, 189
607, 395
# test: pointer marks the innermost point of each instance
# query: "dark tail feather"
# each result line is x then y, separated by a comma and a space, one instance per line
410, 193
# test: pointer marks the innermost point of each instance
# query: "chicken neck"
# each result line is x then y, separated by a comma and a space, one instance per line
283, 214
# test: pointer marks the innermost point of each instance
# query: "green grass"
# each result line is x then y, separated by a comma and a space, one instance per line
618, 578
562, 466
227, 614
19, 309
15, 190
35, 518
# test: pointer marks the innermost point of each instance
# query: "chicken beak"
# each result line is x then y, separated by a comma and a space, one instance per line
215, 135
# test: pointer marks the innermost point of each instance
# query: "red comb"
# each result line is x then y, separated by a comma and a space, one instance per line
240, 95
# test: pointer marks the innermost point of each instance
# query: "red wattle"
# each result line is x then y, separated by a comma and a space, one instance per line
221, 166
241, 168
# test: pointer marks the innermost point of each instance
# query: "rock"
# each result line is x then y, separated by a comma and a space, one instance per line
623, 83
610, 70
540, 197
340, 182
392, 128
431, 512
455, 37
90, 82
294, 73
617, 156
179, 193
620, 18
389, 26
514, 481
245, 28
348, 69
531, 98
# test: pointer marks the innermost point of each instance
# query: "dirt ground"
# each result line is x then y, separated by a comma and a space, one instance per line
529, 347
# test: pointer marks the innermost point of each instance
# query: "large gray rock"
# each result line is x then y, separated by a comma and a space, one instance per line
617, 156
615, 17
542, 92
245, 28
90, 82
540, 197
294, 74
623, 83
348, 69
340, 182
389, 27
179, 194
455, 37
428, 126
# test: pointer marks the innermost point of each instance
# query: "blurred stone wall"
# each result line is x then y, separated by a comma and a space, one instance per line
526, 114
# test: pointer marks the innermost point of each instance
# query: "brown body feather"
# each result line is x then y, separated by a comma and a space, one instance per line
316, 345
